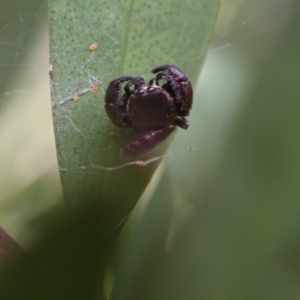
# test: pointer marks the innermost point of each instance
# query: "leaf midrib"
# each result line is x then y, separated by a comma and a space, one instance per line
126, 39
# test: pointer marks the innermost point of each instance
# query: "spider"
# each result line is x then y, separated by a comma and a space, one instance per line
151, 110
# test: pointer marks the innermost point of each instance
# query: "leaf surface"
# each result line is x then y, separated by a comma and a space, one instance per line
133, 37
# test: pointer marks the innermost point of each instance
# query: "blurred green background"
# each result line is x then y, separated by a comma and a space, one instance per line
220, 219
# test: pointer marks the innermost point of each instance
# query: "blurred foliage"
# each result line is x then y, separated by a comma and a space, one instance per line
234, 230
223, 222
67, 262
19, 28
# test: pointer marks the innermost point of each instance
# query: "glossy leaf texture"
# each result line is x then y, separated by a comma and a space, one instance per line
133, 37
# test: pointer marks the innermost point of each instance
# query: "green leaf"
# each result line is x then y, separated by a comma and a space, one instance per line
144, 244
22, 211
133, 37
236, 235
19, 23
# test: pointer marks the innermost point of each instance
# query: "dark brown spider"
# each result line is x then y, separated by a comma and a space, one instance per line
151, 110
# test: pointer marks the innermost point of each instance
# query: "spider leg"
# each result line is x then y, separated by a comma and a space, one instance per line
173, 73
142, 142
113, 89
178, 86
157, 78
182, 122
137, 82
115, 104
